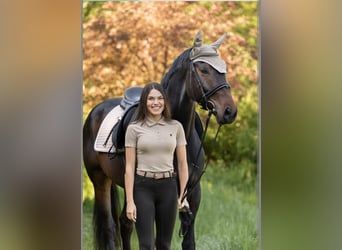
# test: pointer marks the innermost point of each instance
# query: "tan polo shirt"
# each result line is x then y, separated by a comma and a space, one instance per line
155, 143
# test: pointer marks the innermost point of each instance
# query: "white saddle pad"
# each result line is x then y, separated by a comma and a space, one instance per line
107, 124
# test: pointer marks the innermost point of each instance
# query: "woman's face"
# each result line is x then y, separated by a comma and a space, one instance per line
155, 104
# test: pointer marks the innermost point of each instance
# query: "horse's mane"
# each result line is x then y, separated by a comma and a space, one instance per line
176, 66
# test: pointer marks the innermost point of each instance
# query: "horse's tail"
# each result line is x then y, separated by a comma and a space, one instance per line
102, 235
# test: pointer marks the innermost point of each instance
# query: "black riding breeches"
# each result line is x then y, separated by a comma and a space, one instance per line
156, 202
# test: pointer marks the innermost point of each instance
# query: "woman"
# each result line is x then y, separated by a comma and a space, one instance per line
150, 179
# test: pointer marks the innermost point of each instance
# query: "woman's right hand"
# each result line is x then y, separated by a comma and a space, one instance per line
131, 211
182, 204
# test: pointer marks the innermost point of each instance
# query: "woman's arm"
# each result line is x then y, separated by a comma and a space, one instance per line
129, 182
182, 172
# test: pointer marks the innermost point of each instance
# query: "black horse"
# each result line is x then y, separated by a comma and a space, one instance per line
197, 75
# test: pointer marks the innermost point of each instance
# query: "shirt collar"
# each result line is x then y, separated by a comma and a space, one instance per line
150, 122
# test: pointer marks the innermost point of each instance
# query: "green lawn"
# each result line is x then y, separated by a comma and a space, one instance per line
227, 218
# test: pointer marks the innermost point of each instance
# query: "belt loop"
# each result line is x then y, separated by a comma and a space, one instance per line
145, 173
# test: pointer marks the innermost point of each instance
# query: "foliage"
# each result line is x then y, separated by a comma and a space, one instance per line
91, 9
132, 43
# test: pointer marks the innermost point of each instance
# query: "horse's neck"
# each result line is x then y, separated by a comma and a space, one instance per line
182, 108
186, 117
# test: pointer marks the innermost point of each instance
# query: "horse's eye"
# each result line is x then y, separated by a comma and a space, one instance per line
204, 71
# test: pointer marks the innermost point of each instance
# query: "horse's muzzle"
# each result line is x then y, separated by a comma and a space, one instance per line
229, 116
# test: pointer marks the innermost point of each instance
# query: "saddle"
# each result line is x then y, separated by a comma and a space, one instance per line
131, 97
129, 104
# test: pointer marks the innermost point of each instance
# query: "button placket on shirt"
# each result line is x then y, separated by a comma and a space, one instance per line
158, 133
157, 130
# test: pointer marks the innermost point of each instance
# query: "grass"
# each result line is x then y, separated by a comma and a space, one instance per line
227, 218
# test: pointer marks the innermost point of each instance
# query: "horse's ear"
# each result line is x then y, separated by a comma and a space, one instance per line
197, 44
217, 44
198, 39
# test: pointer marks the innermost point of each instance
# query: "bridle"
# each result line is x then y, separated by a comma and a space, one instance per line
203, 100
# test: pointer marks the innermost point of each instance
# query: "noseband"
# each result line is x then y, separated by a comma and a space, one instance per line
203, 100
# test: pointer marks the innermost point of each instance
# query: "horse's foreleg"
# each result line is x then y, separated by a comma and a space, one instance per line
126, 228
188, 242
104, 225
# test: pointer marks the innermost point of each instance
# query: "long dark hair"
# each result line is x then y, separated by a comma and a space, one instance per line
142, 107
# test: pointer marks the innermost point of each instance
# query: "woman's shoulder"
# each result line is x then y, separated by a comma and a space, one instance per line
134, 124
174, 122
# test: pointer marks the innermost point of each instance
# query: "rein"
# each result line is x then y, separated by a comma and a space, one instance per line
188, 189
187, 218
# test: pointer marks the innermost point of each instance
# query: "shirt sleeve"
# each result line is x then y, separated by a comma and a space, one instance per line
181, 141
131, 137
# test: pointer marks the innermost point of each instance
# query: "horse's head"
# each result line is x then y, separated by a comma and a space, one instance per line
207, 80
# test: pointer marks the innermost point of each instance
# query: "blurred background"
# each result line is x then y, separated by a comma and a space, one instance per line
41, 97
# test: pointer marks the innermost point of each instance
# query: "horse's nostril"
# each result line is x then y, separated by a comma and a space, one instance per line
229, 115
228, 111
